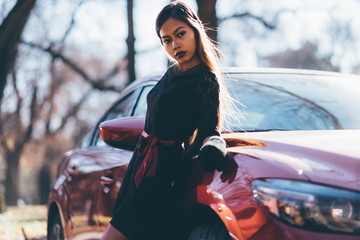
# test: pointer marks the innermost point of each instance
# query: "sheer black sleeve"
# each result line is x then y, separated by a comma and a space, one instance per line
207, 105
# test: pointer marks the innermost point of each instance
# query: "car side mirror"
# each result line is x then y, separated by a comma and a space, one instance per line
122, 133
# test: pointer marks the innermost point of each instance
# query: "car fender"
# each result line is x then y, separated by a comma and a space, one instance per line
242, 220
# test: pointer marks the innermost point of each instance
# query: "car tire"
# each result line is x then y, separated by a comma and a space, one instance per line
55, 229
210, 231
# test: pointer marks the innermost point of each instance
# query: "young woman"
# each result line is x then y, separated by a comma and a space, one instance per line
183, 114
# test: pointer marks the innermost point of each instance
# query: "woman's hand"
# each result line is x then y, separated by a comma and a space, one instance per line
212, 154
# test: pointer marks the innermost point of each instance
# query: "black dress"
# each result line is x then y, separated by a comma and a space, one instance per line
180, 103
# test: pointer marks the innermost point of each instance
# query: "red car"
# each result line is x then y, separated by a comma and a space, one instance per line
294, 170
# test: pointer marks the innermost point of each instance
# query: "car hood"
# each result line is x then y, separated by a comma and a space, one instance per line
330, 157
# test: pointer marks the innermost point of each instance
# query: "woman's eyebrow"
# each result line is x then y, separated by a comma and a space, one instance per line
176, 30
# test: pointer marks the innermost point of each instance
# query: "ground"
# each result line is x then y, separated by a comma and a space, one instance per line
23, 222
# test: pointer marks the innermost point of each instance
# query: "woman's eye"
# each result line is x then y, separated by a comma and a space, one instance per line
166, 41
180, 34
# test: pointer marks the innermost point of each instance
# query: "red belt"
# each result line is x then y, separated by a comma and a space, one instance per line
150, 154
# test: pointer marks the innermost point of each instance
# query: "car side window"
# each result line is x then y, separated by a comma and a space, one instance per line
121, 109
141, 105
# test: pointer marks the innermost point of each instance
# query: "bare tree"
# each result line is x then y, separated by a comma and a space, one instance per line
10, 32
207, 14
131, 42
304, 58
342, 42
15, 134
13, 142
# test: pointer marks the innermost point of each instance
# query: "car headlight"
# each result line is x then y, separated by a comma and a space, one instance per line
310, 206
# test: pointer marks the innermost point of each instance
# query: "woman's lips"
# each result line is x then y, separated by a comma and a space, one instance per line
180, 54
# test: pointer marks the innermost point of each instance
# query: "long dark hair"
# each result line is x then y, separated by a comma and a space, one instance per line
207, 50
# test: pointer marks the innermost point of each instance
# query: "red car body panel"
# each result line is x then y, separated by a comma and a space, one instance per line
288, 155
335, 162
90, 211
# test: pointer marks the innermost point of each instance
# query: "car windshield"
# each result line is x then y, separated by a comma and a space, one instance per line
294, 101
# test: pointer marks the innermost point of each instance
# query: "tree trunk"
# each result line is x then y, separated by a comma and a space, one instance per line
131, 42
207, 14
14, 147
10, 32
12, 177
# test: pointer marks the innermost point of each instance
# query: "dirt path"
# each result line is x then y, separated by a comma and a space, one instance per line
28, 219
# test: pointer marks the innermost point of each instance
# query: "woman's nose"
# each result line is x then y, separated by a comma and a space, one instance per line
175, 44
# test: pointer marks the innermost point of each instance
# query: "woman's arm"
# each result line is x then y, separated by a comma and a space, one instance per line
212, 147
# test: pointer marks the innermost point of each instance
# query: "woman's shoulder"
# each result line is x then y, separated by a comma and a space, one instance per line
209, 75
167, 76
199, 75
208, 78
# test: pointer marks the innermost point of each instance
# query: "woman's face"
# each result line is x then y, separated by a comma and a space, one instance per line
179, 42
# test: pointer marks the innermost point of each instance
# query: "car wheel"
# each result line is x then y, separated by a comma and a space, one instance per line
55, 230
210, 231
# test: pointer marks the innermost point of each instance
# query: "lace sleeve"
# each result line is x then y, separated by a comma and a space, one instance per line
208, 107
207, 112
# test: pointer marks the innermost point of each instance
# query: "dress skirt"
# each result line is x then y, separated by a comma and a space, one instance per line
152, 210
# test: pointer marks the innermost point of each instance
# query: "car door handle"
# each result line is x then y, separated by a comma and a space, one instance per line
71, 172
106, 181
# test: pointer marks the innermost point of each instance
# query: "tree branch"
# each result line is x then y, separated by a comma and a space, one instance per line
14, 82
10, 31
55, 83
16, 114
72, 22
32, 119
72, 112
95, 83
247, 14
115, 70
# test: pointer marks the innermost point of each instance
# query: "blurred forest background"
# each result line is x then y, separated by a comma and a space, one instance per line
63, 62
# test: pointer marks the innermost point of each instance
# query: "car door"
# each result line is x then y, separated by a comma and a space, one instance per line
82, 171
86, 169
117, 160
